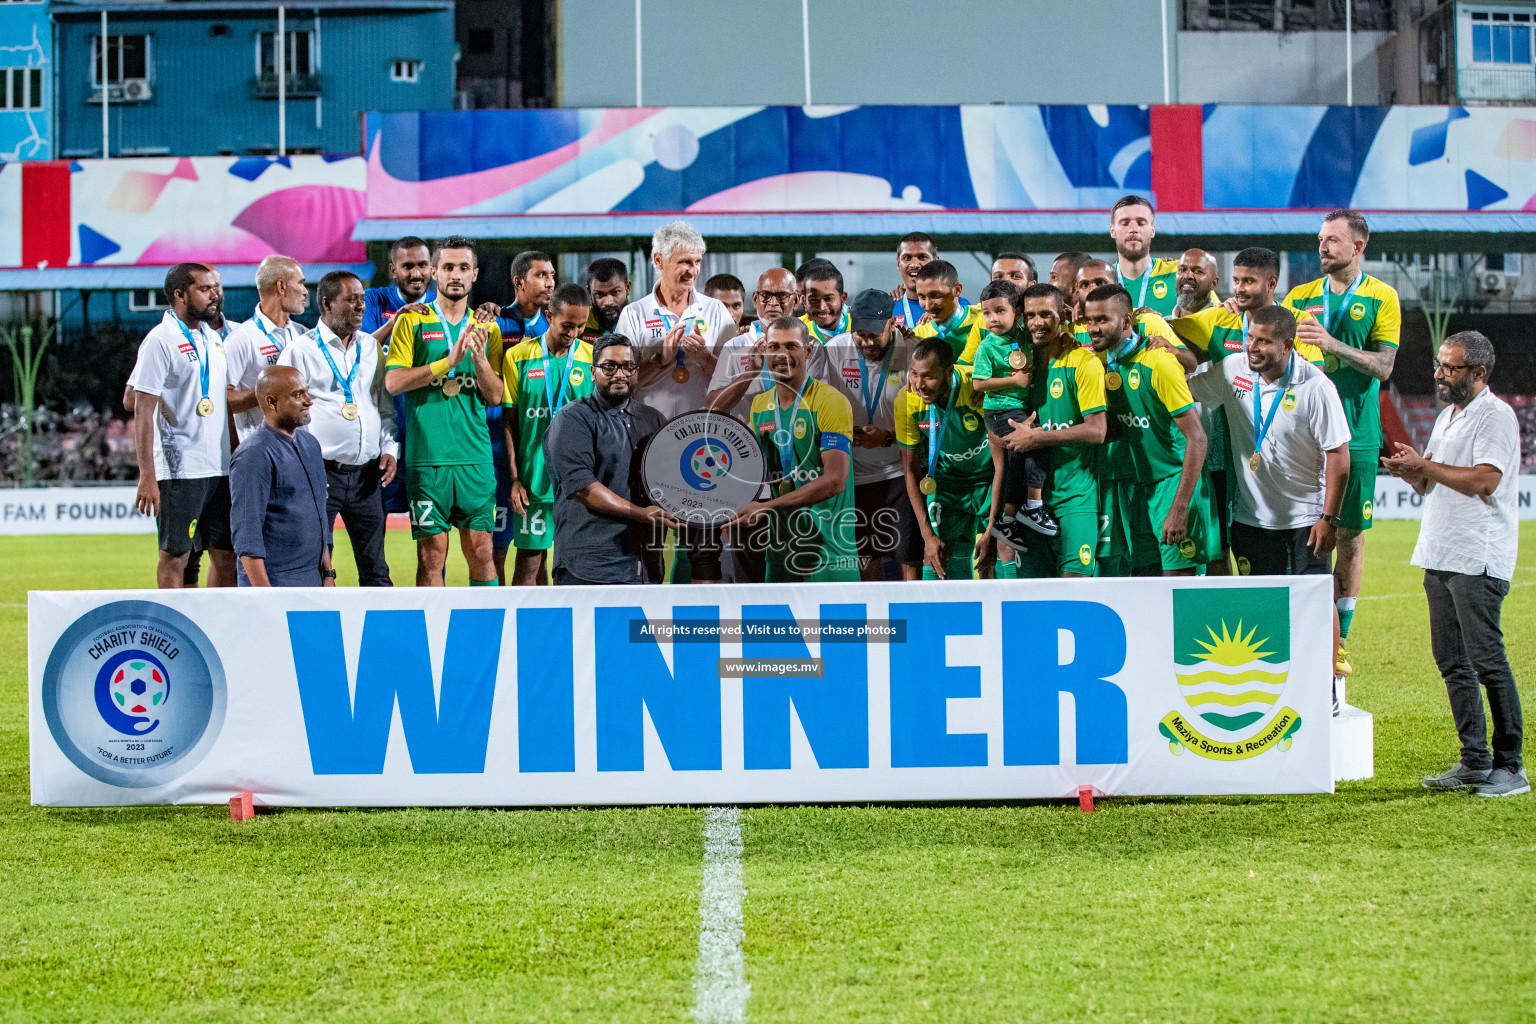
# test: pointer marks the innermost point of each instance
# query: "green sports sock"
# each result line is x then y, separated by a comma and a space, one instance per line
1007, 569
1346, 607
492, 582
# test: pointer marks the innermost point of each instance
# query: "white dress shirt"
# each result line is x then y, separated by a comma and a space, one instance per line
250, 348
1460, 533
845, 371
349, 442
1286, 491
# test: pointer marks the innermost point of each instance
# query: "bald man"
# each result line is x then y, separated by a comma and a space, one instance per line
277, 491
1196, 282
738, 370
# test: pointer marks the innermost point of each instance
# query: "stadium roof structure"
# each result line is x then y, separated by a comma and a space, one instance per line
1282, 230
119, 278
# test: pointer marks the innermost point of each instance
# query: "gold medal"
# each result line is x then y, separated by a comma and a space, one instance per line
1112, 380
451, 387
205, 407
681, 375
928, 485
349, 411
1016, 359
1253, 462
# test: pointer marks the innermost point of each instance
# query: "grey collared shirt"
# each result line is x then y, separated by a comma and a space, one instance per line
277, 505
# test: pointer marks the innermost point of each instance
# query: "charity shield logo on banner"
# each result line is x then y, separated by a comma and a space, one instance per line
133, 694
1232, 653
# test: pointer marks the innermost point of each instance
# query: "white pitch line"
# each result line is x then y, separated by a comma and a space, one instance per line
720, 986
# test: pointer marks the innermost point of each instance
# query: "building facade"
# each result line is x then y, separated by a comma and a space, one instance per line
200, 77
26, 68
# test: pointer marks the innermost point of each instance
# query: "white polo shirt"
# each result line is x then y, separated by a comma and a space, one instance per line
735, 359
646, 322
349, 442
1460, 533
845, 371
1286, 491
249, 349
187, 446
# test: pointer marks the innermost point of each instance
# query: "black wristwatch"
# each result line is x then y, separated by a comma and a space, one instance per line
1332, 521
327, 574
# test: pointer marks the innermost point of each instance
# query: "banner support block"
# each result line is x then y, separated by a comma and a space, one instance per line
242, 806
1084, 799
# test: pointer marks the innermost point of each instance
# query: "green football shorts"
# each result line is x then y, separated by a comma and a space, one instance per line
444, 497
1360, 492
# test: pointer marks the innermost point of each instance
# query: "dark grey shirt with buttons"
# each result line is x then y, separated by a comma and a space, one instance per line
589, 442
277, 505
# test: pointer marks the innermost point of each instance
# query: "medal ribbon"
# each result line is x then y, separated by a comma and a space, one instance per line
871, 405
934, 439
263, 328
202, 354
345, 382
844, 324
787, 447
1127, 348
554, 394
909, 318
667, 323
1330, 318
1260, 432
453, 330
942, 330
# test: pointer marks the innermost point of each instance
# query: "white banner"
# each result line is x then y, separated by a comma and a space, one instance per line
617, 695
71, 510
1396, 500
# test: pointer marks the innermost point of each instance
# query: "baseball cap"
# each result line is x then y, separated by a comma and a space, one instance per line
871, 309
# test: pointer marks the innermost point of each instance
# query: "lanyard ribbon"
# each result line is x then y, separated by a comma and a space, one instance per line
263, 328
345, 382
844, 324
783, 438
935, 438
1146, 279
955, 320
1127, 348
202, 354
453, 331
554, 393
908, 317
1330, 319
1261, 431
870, 405
667, 323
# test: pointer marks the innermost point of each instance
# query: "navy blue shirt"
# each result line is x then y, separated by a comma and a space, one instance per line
277, 506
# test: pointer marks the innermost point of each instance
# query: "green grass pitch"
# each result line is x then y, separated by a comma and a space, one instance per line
1382, 903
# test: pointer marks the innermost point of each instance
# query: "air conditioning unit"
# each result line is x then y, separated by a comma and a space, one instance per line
131, 90
1492, 281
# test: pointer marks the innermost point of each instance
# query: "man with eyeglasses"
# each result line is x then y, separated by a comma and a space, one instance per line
593, 452
738, 375
1468, 542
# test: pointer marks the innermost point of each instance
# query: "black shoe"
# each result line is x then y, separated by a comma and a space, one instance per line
1040, 519
1012, 533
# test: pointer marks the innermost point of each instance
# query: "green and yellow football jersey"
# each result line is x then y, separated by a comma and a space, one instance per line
1370, 319
1148, 325
814, 542
1072, 389
1219, 333
964, 458
963, 332
537, 387
445, 430
1156, 288
1144, 391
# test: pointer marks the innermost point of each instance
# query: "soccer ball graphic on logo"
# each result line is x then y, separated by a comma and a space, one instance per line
139, 689
704, 463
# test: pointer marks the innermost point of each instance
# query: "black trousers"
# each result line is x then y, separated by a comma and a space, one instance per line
1468, 645
353, 493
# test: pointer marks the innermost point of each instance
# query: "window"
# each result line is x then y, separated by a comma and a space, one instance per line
1501, 37
21, 89
147, 299
128, 58
298, 54
1507, 262
403, 70
482, 40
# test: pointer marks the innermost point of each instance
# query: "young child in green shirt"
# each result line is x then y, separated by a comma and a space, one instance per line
1003, 368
